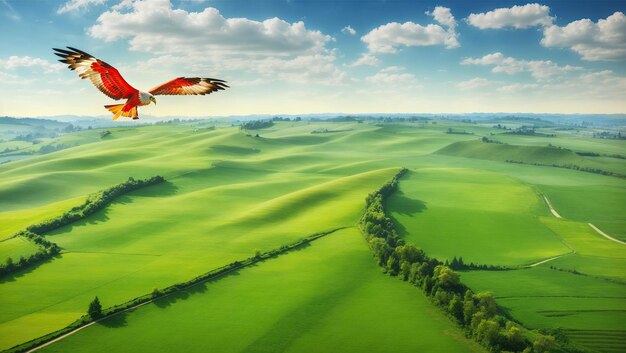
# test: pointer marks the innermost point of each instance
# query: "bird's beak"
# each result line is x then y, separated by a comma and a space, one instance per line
153, 100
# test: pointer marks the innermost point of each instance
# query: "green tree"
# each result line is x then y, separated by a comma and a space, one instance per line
487, 332
393, 264
8, 264
156, 293
447, 278
95, 308
381, 250
544, 344
456, 307
513, 338
487, 303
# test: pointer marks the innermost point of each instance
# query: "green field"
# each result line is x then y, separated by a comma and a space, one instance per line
230, 194
329, 296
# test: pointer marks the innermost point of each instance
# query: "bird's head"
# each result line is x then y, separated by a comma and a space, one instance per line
153, 100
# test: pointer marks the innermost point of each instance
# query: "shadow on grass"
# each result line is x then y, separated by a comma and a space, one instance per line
102, 215
25, 271
166, 188
406, 206
187, 293
204, 286
116, 321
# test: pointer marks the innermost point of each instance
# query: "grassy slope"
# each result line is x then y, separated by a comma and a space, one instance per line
327, 297
484, 217
590, 307
530, 154
16, 247
121, 259
234, 194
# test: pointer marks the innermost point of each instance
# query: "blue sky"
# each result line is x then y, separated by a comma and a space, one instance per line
295, 57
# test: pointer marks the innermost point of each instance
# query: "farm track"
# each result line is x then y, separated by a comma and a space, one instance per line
605, 235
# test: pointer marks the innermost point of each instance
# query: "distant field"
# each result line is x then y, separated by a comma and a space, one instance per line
486, 218
532, 155
546, 298
327, 297
229, 194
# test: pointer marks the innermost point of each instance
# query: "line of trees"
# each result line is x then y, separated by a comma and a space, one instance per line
256, 124
94, 202
46, 250
570, 166
485, 139
478, 313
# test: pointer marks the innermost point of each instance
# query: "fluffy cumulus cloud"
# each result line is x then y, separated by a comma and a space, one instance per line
155, 26
525, 16
444, 16
603, 40
392, 76
78, 5
14, 62
366, 60
517, 87
348, 30
203, 41
389, 37
474, 83
539, 69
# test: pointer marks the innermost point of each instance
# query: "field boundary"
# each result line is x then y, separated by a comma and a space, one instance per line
34, 233
86, 321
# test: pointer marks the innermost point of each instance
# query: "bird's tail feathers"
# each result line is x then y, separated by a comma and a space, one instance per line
118, 110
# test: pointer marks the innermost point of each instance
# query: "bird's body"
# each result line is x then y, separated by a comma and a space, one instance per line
110, 82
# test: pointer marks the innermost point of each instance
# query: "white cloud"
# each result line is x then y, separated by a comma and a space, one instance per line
78, 5
389, 37
154, 26
489, 59
539, 69
393, 69
604, 40
389, 78
348, 30
517, 87
366, 60
443, 16
14, 62
525, 16
476, 82
305, 69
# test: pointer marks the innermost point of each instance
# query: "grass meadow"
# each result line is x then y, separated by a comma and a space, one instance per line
230, 194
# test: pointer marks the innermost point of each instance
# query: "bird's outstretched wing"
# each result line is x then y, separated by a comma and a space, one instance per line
189, 85
104, 76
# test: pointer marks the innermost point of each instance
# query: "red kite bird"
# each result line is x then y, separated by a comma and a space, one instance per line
108, 80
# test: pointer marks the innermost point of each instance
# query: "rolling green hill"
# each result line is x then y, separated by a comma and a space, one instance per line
229, 194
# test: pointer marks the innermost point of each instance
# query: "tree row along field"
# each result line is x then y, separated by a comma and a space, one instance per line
230, 194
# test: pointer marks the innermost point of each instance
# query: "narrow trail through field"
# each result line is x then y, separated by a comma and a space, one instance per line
554, 212
222, 274
552, 258
557, 215
606, 235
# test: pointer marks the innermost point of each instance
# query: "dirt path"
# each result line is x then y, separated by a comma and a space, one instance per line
554, 212
87, 325
550, 259
605, 235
